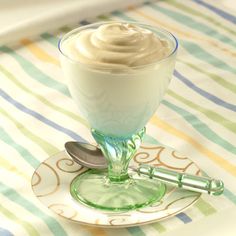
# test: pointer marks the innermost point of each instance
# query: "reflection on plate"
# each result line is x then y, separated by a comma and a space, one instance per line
51, 184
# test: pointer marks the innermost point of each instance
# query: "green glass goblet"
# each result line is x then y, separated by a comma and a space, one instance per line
118, 105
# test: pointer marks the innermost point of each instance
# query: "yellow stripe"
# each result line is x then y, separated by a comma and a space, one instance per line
211, 155
95, 230
39, 53
182, 33
29, 228
8, 166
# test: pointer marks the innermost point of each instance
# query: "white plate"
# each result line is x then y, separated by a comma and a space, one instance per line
51, 184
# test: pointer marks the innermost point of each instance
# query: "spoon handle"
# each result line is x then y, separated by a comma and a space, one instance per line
183, 180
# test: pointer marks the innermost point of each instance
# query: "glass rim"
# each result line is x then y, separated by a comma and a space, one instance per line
164, 31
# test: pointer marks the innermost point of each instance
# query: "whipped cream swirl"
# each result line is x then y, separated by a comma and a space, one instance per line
116, 45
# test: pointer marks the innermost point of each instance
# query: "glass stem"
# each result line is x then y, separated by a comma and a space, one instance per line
118, 152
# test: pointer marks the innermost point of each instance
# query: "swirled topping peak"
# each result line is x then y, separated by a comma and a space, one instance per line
116, 45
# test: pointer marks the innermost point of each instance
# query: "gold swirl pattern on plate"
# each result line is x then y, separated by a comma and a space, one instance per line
198, 172
152, 208
63, 210
162, 163
46, 179
177, 156
68, 165
155, 159
56, 186
145, 157
151, 147
156, 208
119, 219
36, 179
179, 199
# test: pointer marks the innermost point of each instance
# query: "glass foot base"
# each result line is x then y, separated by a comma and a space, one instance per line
94, 189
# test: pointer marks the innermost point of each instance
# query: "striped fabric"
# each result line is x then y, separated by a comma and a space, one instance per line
197, 116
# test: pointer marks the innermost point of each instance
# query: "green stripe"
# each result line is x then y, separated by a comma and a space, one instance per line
152, 140
13, 168
50, 38
15, 197
198, 52
137, 231
193, 49
27, 226
104, 17
199, 14
201, 127
149, 139
230, 195
215, 77
47, 147
207, 112
36, 73
65, 29
159, 227
191, 23
10, 76
204, 207
27, 156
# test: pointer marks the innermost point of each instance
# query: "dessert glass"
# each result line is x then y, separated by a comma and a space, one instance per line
117, 105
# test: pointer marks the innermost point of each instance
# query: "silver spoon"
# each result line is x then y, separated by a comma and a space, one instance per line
92, 157
86, 155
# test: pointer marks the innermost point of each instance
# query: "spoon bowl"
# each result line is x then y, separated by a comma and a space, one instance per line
87, 155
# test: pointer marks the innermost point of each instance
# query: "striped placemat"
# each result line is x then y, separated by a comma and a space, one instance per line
197, 116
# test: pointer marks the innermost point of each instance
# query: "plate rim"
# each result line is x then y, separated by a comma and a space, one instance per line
110, 225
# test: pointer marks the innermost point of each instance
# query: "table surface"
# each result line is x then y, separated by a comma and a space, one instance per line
196, 117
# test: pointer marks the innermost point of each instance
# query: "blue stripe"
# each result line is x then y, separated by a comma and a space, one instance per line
184, 218
38, 116
15, 197
205, 94
218, 11
4, 232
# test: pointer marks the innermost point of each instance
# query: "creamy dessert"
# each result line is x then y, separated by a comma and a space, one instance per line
116, 46
118, 73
